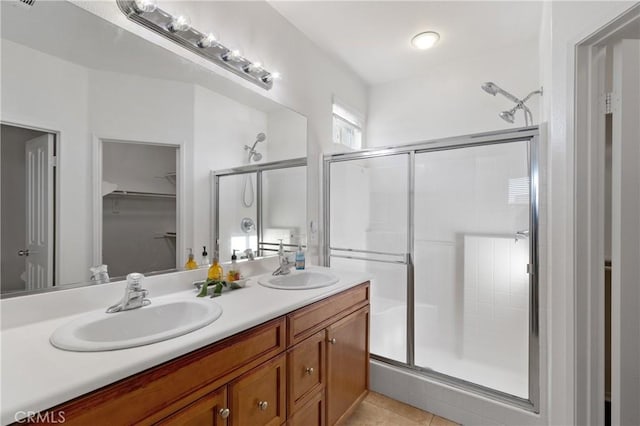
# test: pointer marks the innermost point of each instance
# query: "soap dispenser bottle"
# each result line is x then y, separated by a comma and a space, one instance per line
300, 257
233, 274
191, 263
215, 272
205, 257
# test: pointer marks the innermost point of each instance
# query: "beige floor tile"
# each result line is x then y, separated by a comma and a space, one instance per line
404, 410
378, 410
439, 421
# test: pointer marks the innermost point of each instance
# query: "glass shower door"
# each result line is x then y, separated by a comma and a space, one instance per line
471, 260
368, 208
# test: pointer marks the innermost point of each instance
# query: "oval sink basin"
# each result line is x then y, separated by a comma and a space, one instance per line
99, 331
299, 280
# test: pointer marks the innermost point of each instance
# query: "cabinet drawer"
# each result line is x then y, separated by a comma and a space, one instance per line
154, 394
307, 321
306, 364
210, 410
259, 397
311, 414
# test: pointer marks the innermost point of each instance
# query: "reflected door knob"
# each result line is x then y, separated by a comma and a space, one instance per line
23, 252
333, 341
263, 405
224, 412
309, 371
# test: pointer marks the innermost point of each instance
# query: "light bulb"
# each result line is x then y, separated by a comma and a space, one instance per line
207, 41
253, 67
269, 77
425, 40
231, 55
180, 23
146, 5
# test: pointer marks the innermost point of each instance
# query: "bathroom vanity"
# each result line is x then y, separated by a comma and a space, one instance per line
306, 366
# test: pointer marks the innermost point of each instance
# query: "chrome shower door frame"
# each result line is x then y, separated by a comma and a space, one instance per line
526, 134
243, 170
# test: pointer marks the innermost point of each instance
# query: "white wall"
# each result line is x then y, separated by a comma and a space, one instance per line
447, 100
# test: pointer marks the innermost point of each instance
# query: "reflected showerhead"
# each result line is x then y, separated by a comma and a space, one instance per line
507, 116
253, 154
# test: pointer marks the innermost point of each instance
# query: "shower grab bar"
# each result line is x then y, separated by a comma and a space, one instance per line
396, 262
369, 252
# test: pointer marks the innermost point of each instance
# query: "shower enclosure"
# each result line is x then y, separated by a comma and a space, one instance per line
448, 231
278, 211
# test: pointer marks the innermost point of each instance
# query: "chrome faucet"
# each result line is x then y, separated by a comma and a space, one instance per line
285, 263
134, 295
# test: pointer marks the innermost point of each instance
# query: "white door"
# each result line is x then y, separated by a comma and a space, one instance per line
625, 248
38, 253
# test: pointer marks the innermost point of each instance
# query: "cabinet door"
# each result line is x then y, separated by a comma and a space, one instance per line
347, 363
210, 410
259, 396
305, 363
311, 414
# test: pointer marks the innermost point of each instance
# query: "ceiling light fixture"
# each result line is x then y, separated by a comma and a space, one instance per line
179, 30
425, 40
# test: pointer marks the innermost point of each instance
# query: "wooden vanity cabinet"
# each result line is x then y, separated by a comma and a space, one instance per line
337, 331
310, 367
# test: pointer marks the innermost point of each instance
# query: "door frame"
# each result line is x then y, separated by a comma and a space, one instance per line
55, 221
588, 245
181, 213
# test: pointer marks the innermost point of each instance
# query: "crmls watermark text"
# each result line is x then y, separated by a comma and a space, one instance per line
50, 417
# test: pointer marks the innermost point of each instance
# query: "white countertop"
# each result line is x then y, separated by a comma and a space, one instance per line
36, 376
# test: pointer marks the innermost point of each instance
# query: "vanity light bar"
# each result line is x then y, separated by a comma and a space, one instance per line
178, 30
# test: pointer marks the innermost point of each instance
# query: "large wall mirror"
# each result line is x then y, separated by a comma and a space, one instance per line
107, 144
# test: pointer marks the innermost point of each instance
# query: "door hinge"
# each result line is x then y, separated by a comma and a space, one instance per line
608, 105
54, 161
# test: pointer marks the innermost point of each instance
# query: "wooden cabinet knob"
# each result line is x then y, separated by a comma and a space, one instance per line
333, 341
263, 405
224, 412
309, 371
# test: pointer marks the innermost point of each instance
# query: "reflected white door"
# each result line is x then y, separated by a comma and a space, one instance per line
39, 174
625, 246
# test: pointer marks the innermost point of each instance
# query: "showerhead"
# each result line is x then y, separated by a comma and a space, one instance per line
260, 137
508, 116
493, 89
490, 88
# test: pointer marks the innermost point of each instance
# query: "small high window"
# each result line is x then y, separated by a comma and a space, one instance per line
347, 127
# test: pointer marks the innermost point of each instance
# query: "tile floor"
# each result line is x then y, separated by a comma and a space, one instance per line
378, 410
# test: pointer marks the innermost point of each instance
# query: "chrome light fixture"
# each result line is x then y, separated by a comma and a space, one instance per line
179, 30
510, 115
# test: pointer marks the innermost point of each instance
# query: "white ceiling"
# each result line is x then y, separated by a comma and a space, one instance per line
373, 37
